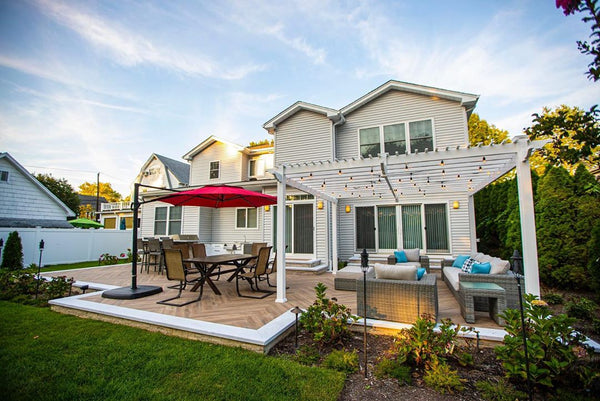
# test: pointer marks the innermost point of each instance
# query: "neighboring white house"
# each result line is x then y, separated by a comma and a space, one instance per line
215, 161
25, 202
158, 171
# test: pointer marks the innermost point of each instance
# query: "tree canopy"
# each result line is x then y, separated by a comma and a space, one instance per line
480, 131
61, 189
592, 48
575, 135
106, 190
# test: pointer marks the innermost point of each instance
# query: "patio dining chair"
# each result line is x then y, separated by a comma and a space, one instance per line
256, 246
155, 256
142, 253
252, 276
176, 271
271, 269
199, 251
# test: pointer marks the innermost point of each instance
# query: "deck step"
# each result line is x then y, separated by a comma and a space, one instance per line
307, 263
318, 269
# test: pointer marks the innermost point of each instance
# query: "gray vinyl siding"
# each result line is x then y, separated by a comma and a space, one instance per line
23, 199
230, 170
449, 119
205, 219
305, 136
224, 230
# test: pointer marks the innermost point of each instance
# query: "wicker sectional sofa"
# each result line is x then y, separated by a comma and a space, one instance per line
452, 276
398, 300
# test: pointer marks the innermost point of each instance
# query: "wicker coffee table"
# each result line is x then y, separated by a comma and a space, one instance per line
495, 294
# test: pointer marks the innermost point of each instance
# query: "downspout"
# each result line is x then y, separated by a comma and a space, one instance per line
333, 263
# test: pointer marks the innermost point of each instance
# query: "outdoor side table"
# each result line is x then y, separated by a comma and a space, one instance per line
495, 294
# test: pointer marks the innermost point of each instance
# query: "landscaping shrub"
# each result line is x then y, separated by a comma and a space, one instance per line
553, 299
327, 320
308, 355
442, 379
420, 345
108, 259
342, 361
12, 256
394, 369
21, 287
499, 391
581, 308
554, 348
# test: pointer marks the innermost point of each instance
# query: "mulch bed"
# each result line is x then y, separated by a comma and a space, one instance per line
359, 388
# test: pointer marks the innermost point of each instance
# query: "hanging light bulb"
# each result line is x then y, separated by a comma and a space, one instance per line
346, 187
405, 166
323, 185
371, 170
480, 168
457, 175
427, 180
443, 172
399, 180
339, 172
350, 178
483, 159
442, 163
410, 177
309, 175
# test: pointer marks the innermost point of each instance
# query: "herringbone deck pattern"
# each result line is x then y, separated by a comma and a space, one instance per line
232, 310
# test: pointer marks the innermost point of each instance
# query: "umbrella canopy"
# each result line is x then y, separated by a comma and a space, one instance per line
85, 223
217, 196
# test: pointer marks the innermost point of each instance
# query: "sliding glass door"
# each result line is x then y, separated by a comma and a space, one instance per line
298, 228
386, 225
436, 224
365, 228
412, 228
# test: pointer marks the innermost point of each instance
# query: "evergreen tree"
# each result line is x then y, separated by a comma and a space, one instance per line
12, 257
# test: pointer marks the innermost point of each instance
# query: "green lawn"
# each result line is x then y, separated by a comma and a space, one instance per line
71, 266
48, 356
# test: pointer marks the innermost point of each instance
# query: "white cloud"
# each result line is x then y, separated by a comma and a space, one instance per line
131, 49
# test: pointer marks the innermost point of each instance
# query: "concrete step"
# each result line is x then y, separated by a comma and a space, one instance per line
305, 263
318, 269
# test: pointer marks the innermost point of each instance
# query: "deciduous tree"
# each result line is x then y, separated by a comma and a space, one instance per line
61, 189
480, 131
106, 190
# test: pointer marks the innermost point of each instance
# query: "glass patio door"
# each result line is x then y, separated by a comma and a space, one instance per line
299, 228
436, 228
365, 228
412, 227
386, 227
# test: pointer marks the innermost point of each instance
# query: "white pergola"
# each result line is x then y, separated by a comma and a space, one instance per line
390, 178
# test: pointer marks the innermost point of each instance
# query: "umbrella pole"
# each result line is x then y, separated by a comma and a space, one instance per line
134, 250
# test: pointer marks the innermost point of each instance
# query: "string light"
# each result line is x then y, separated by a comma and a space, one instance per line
346, 187
405, 166
339, 172
480, 168
483, 159
444, 172
371, 170
442, 163
310, 175
323, 185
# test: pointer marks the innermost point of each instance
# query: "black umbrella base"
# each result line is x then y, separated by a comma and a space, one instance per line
129, 293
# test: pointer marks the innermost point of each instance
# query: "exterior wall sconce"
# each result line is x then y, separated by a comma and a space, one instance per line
267, 208
348, 208
320, 205
456, 205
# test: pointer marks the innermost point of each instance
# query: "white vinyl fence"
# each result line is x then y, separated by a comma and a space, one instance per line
69, 245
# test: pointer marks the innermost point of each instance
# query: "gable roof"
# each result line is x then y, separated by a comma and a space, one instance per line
206, 143
30, 177
467, 100
180, 170
90, 199
296, 107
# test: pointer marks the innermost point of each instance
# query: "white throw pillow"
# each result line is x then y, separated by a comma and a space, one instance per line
412, 255
395, 272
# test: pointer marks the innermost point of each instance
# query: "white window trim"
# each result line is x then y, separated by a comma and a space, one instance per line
255, 168
406, 130
246, 227
167, 220
218, 170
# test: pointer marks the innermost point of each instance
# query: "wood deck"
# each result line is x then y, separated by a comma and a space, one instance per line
232, 310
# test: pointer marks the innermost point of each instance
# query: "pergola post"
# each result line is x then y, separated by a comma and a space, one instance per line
334, 237
281, 281
527, 214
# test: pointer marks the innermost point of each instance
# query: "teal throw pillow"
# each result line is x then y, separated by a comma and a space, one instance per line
400, 257
481, 268
420, 272
460, 261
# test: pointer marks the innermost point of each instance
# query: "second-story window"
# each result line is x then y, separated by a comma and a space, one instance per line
402, 137
246, 218
214, 169
252, 168
4, 175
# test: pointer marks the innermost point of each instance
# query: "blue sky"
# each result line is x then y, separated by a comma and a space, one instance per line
90, 87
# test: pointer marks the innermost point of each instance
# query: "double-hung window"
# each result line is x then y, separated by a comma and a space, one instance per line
4, 175
252, 168
167, 220
214, 169
402, 137
246, 218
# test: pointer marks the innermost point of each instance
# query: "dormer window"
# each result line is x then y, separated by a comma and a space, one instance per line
402, 137
214, 169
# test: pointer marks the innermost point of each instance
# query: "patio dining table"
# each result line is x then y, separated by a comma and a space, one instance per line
207, 265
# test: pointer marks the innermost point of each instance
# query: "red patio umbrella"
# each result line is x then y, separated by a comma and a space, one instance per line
217, 196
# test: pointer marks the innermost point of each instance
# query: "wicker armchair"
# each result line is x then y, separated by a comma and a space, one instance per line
398, 300
506, 281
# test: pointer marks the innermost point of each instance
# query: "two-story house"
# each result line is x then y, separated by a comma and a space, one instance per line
391, 170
